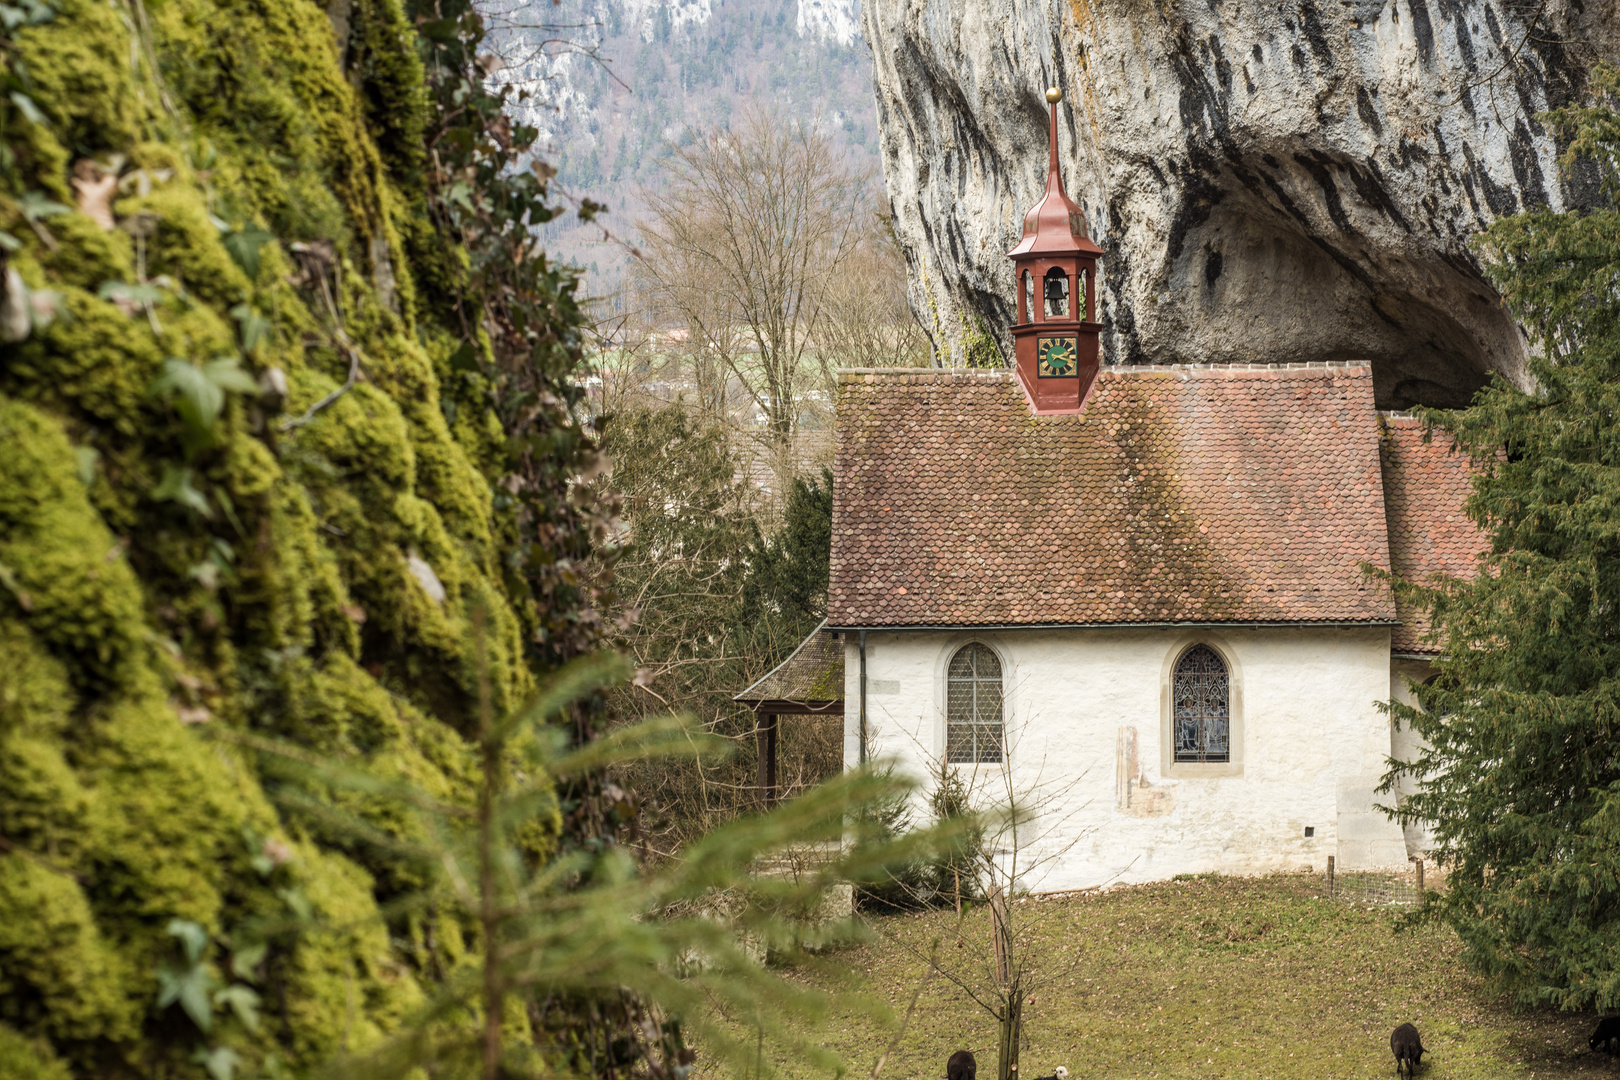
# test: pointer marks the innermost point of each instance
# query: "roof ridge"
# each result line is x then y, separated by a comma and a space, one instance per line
925, 374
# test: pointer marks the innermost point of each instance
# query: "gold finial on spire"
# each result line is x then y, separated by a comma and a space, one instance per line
1054, 95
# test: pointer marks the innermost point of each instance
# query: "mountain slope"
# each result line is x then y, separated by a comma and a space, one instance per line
667, 66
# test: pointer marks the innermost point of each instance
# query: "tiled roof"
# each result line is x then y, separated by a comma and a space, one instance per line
813, 674
1186, 494
1425, 485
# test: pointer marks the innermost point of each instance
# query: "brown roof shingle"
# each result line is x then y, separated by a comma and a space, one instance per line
812, 674
1425, 486
1185, 494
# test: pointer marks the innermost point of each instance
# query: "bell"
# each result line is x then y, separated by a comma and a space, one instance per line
1057, 289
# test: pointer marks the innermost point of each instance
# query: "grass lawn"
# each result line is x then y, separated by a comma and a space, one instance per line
1214, 977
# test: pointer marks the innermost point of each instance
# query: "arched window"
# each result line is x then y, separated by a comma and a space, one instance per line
1202, 696
973, 731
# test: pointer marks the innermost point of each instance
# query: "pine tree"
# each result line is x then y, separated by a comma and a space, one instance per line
791, 567
1522, 768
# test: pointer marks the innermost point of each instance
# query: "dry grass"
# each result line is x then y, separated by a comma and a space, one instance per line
1214, 977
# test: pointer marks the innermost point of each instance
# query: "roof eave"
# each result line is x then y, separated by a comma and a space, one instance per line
1236, 624
743, 697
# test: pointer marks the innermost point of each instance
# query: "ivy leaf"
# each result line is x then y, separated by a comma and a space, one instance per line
192, 984
8, 242
243, 1002
253, 326
176, 487
460, 194
30, 111
193, 938
201, 401
244, 245
89, 457
36, 205
465, 358
295, 899
221, 1061
130, 299
227, 374
28, 13
246, 959
202, 390
190, 987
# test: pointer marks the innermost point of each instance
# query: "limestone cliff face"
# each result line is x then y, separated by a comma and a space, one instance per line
1270, 181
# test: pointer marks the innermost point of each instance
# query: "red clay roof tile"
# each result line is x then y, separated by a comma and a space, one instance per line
1186, 494
1425, 486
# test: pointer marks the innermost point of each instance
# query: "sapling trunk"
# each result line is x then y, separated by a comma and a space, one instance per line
1012, 1024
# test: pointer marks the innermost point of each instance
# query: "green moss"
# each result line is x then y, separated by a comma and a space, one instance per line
88, 256
383, 55
79, 64
94, 365
135, 628
79, 598
58, 977
29, 1059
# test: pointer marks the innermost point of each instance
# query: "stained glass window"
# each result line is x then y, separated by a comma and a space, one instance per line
1203, 714
973, 730
1056, 356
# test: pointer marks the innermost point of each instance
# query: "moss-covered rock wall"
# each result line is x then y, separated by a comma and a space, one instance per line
242, 492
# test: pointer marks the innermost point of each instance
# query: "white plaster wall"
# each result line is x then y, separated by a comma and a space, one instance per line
1405, 744
1084, 711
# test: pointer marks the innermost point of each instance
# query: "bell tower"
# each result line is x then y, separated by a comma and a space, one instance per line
1055, 338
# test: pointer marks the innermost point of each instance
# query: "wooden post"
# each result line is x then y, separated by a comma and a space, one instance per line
765, 738
1420, 879
770, 757
1330, 875
1000, 935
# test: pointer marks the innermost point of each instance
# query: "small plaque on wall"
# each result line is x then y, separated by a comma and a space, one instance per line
1056, 357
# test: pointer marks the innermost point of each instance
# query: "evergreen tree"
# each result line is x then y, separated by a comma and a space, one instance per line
1521, 770
789, 570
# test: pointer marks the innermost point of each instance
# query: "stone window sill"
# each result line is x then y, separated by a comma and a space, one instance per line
1203, 770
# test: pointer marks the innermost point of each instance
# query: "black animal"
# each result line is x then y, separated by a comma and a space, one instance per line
1606, 1035
961, 1066
1408, 1048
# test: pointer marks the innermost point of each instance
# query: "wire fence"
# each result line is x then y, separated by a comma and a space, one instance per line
1379, 888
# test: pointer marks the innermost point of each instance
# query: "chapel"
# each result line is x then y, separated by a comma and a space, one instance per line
1136, 598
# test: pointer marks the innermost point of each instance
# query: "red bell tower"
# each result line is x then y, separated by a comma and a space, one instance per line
1055, 339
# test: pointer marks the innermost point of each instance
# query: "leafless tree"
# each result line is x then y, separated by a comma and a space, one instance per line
743, 252
869, 322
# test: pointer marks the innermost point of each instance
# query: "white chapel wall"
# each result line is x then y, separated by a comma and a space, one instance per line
1405, 744
1084, 726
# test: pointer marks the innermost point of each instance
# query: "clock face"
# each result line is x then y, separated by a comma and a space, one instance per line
1056, 356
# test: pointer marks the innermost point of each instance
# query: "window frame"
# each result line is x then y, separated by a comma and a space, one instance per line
1189, 770
943, 681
